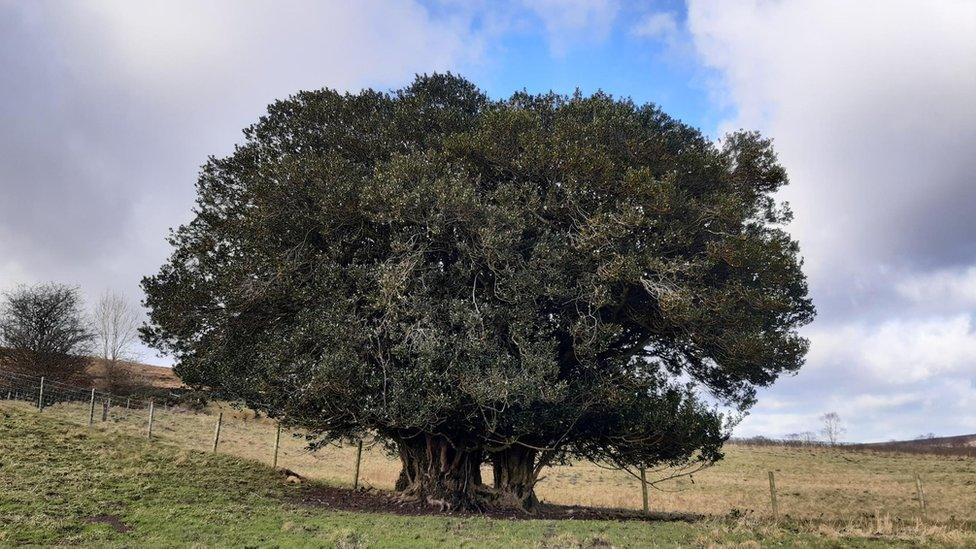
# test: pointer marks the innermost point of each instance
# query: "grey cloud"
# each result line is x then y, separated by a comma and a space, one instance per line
110, 107
873, 115
871, 107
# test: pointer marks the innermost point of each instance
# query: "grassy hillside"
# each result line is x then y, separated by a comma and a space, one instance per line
960, 445
135, 374
819, 483
62, 483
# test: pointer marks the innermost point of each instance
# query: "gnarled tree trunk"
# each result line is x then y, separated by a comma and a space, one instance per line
437, 473
515, 476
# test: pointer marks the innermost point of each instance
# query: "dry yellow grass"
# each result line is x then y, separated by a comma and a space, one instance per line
136, 373
840, 490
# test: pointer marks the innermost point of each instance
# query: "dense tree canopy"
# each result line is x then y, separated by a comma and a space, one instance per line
474, 281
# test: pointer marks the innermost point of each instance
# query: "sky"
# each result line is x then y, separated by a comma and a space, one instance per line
109, 108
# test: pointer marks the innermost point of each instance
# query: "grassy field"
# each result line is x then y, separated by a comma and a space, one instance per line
63, 483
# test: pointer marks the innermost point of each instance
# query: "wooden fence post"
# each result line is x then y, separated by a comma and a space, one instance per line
127, 406
40, 396
91, 409
920, 493
151, 413
220, 419
644, 488
274, 460
104, 410
359, 458
772, 495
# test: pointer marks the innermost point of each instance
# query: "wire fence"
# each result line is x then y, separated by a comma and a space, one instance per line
799, 491
217, 427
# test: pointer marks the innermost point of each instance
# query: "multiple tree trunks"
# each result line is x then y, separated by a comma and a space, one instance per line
515, 475
438, 473
441, 474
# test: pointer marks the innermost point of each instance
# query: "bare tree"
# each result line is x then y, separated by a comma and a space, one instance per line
44, 330
802, 438
808, 437
832, 427
116, 329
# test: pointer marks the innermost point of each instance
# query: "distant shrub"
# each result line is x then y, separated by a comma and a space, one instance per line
190, 399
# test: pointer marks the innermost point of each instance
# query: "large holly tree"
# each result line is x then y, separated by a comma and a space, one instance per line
512, 283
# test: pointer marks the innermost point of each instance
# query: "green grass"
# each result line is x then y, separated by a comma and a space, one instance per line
833, 486
55, 477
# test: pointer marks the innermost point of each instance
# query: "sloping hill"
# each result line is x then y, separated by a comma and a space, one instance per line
135, 373
962, 445
63, 484
954, 441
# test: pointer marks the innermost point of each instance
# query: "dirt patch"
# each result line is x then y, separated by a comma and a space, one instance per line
378, 501
112, 520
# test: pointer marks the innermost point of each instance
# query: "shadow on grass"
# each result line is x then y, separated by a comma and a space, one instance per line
315, 494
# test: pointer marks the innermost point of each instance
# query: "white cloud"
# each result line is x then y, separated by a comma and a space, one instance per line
773, 424
272, 49
574, 22
944, 407
949, 286
899, 352
878, 403
661, 26
892, 379
116, 101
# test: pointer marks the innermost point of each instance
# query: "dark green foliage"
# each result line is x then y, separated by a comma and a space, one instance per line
546, 274
189, 399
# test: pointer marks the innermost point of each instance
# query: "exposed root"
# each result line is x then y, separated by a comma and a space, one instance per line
439, 475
